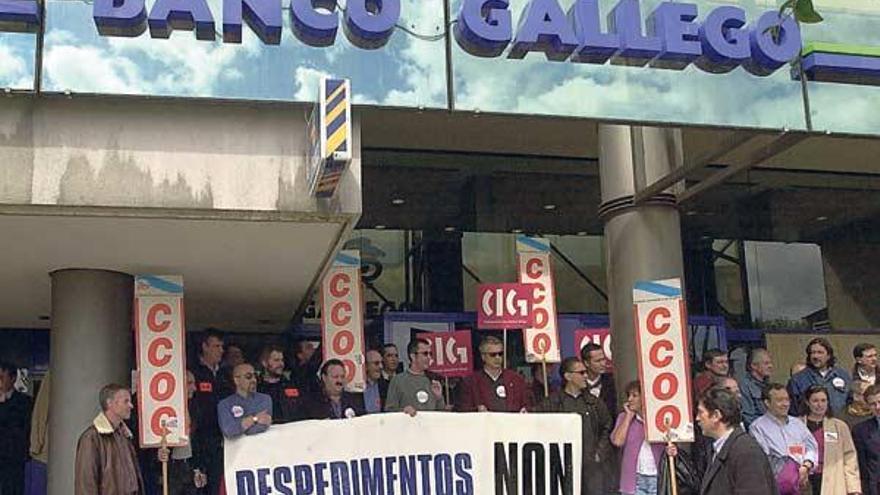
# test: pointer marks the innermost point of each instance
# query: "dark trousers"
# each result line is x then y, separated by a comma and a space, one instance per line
180, 478
12, 478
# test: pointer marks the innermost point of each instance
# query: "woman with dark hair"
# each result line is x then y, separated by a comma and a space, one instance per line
837, 472
639, 459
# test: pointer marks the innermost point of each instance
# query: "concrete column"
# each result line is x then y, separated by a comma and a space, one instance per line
641, 242
91, 341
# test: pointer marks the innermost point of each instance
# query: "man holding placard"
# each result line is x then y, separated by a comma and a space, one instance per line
494, 388
412, 390
106, 459
595, 419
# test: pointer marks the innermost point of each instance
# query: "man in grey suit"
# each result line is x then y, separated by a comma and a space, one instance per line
738, 465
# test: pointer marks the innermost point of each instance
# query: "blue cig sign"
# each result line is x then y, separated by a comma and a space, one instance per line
670, 37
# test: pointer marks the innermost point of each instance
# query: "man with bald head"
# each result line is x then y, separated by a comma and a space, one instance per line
377, 386
246, 412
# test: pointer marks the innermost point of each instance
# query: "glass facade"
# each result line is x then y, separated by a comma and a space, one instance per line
408, 71
411, 70
845, 107
17, 60
535, 85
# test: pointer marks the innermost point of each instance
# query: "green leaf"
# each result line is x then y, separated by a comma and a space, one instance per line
805, 13
787, 5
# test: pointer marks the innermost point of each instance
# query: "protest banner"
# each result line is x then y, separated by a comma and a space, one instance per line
431, 453
664, 369
598, 336
541, 341
342, 320
504, 306
452, 353
160, 348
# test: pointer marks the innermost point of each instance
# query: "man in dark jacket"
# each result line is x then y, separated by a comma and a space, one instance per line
286, 396
738, 466
494, 388
600, 383
332, 401
376, 389
210, 388
866, 436
15, 424
596, 423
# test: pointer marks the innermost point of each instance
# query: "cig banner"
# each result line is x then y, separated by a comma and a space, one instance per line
431, 453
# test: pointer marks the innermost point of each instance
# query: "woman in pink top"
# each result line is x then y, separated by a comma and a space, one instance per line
639, 459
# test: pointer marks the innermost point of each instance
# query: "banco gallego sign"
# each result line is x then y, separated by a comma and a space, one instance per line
674, 35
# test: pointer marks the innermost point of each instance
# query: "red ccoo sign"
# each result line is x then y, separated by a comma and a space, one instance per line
342, 320
541, 341
664, 369
161, 360
504, 306
453, 355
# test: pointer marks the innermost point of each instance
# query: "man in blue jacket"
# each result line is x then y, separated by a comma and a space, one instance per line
820, 370
246, 412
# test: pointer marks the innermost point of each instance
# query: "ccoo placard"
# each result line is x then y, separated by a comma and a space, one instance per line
664, 369
161, 360
342, 321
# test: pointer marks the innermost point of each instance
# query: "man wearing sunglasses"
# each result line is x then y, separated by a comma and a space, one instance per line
246, 412
596, 422
412, 390
493, 388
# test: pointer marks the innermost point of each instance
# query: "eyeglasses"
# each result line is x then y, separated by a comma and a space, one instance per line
494, 354
580, 372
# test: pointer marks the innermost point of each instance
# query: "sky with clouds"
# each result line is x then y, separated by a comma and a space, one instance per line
409, 72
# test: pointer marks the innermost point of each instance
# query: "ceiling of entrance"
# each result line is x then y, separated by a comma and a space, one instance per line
238, 275
496, 173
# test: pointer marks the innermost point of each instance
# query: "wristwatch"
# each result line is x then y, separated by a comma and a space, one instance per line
256, 419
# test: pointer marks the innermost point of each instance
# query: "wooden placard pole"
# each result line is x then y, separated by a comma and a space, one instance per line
673, 481
504, 356
447, 389
544, 372
164, 445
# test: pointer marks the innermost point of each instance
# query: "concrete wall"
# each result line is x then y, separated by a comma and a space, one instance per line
172, 154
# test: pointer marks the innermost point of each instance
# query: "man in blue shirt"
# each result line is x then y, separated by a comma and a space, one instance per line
759, 367
820, 370
785, 439
246, 412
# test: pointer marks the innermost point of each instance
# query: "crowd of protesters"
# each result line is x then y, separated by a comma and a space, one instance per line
818, 434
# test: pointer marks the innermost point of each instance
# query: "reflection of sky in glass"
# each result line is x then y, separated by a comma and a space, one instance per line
410, 72
535, 85
846, 107
406, 72
17, 60
773, 269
